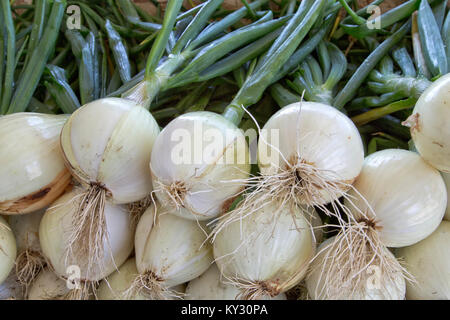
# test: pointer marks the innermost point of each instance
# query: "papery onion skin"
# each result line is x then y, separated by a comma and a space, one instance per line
207, 188
109, 142
386, 291
317, 134
210, 286
430, 124
11, 289
406, 194
282, 248
8, 250
26, 231
47, 286
53, 232
446, 177
174, 249
32, 170
429, 263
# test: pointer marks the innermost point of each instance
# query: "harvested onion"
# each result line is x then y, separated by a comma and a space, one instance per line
429, 263
54, 235
194, 177
264, 257
429, 124
32, 171
8, 250
169, 252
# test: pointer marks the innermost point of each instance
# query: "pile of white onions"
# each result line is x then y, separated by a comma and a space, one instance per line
398, 201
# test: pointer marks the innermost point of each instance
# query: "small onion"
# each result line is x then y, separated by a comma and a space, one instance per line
115, 286
377, 285
209, 286
32, 171
429, 263
30, 259
8, 250
107, 146
264, 257
430, 124
168, 253
54, 236
192, 182
446, 177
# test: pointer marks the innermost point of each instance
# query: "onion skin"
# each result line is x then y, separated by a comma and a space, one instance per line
429, 263
430, 124
56, 223
47, 286
8, 250
407, 195
11, 289
32, 170
446, 177
109, 142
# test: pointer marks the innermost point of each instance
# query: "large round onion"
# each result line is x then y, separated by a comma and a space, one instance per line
32, 171
54, 238
430, 124
195, 177
429, 263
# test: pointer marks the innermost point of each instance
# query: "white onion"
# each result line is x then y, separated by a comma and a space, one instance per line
115, 286
107, 146
407, 196
429, 263
32, 171
209, 286
54, 236
48, 286
204, 184
446, 177
262, 255
375, 285
430, 124
397, 200
170, 252
30, 259
316, 146
8, 250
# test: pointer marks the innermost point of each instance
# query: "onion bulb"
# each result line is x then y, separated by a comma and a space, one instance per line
48, 286
115, 286
430, 124
377, 286
30, 259
54, 236
309, 154
199, 162
8, 250
107, 146
446, 177
397, 200
209, 286
169, 251
429, 263
262, 256
32, 171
